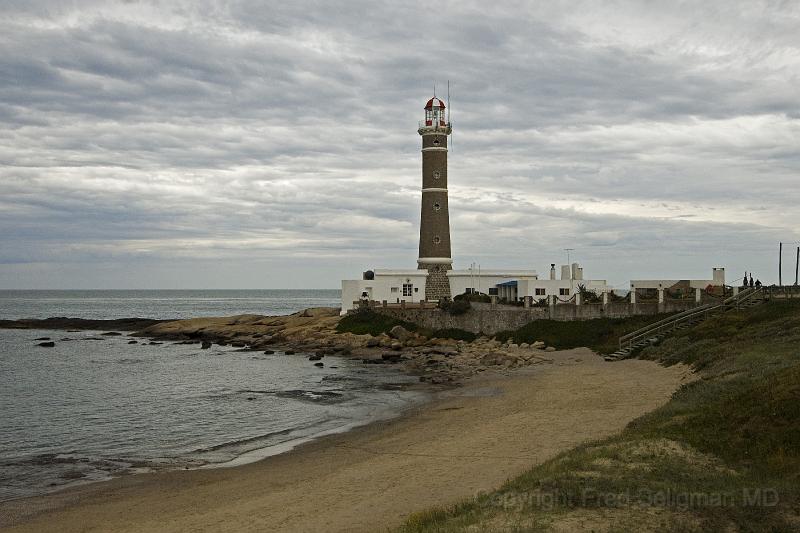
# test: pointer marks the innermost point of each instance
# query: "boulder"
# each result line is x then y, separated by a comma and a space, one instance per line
319, 364
394, 357
205, 345
49, 344
269, 352
400, 333
396, 345
550, 349
316, 357
538, 344
289, 352
112, 334
373, 342
133, 342
42, 339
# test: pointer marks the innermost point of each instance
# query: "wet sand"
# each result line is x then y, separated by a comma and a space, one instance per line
469, 439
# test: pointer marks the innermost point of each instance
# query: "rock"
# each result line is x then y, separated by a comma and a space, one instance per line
396, 345
112, 334
46, 344
538, 344
400, 333
524, 345
550, 349
319, 364
316, 357
133, 342
205, 345
394, 357
288, 352
238, 344
42, 339
321, 353
513, 345
373, 343
154, 343
269, 352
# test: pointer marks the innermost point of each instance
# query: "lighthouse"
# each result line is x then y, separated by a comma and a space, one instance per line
434, 228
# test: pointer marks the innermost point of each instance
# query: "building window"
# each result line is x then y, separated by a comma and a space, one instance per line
492, 291
416, 289
437, 240
408, 289
436, 174
395, 289
563, 292
540, 292
437, 206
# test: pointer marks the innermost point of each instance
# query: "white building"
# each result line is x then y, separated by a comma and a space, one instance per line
717, 279
397, 286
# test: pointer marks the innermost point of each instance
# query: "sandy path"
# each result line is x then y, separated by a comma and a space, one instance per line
472, 439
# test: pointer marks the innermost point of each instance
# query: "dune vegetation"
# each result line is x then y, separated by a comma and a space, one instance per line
722, 455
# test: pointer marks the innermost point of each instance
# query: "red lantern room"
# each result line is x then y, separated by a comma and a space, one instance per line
434, 113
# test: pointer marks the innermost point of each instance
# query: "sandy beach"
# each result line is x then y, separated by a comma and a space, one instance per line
469, 439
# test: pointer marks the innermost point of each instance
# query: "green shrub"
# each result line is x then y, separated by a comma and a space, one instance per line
367, 322
455, 308
473, 297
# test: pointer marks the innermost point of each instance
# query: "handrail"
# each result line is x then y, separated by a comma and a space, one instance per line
631, 338
664, 321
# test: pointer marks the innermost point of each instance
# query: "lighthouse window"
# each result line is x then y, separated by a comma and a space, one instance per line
437, 240
436, 207
436, 174
436, 142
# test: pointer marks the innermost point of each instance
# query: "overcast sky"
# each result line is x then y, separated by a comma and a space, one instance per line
273, 144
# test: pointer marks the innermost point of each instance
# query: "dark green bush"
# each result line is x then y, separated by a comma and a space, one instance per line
455, 308
367, 322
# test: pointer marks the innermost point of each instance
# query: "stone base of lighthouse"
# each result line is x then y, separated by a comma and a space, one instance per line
437, 285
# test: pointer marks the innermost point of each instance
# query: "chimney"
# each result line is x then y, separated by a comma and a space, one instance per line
552, 271
565, 273
577, 272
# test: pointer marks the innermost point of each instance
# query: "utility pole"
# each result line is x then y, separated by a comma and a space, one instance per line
796, 265
780, 264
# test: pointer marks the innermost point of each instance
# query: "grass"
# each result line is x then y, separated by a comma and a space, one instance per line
722, 455
600, 334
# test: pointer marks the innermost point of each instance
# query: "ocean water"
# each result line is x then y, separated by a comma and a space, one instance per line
108, 304
96, 406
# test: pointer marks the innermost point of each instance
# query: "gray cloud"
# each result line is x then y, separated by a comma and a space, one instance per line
242, 144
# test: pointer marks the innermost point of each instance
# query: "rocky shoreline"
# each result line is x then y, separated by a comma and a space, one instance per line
437, 361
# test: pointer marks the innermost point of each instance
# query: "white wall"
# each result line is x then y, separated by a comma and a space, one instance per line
380, 288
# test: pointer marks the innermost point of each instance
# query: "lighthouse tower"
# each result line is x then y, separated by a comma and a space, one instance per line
434, 229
